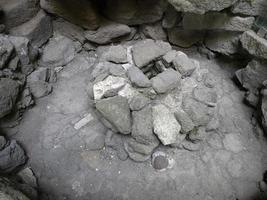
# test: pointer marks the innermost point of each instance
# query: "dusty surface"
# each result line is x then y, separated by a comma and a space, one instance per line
229, 164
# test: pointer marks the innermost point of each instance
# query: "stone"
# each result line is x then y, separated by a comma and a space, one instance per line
154, 31
82, 14
254, 44
2, 142
160, 161
134, 12
18, 12
184, 38
11, 157
108, 33
148, 50
116, 54
117, 70
58, 52
183, 64
226, 43
38, 30
184, 120
168, 58
116, 110
165, 125
6, 49
27, 176
108, 87
84, 121
40, 89
171, 17
9, 90
232, 142
138, 78
217, 21
166, 81
194, 6
248, 7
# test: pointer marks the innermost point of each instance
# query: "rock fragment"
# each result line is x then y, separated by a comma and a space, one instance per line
184, 120
6, 49
154, 31
116, 110
116, 54
138, 78
183, 64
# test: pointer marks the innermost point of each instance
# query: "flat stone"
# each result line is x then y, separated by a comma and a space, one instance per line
165, 125
138, 78
217, 21
184, 38
6, 49
183, 64
148, 50
254, 44
59, 51
166, 81
38, 30
116, 54
9, 90
168, 58
108, 87
82, 14
154, 31
184, 120
116, 110
226, 43
108, 33
194, 6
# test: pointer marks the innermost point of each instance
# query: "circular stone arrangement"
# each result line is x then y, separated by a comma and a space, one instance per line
154, 95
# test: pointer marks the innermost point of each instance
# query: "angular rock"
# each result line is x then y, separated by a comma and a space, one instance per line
6, 49
183, 64
226, 43
82, 13
116, 70
11, 157
38, 30
138, 78
248, 7
116, 54
184, 38
58, 52
108, 33
9, 91
254, 44
116, 110
27, 176
165, 125
148, 50
171, 17
134, 12
108, 87
184, 120
201, 7
166, 81
217, 21
18, 12
168, 58
154, 31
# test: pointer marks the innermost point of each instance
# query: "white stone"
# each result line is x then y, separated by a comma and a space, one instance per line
83, 121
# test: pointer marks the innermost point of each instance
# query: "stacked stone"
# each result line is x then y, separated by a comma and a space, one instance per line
151, 109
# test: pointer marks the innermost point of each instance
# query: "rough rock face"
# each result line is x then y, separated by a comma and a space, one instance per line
217, 21
81, 13
9, 90
18, 12
201, 7
254, 44
134, 12
5, 51
248, 7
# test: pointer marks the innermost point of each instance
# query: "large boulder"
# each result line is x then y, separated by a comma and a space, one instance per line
201, 7
148, 50
80, 12
254, 44
248, 7
217, 21
9, 91
38, 30
17, 12
116, 110
134, 12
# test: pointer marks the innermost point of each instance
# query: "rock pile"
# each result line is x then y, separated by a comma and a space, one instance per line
152, 103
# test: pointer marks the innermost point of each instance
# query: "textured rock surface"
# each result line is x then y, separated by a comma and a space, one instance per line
81, 13
195, 6
5, 51
248, 7
38, 30
154, 31
116, 110
254, 44
138, 78
183, 64
148, 50
116, 54
217, 21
